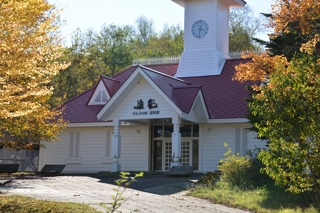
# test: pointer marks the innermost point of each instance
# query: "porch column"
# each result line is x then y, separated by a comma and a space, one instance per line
176, 142
116, 146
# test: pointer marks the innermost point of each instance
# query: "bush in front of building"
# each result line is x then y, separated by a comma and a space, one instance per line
243, 171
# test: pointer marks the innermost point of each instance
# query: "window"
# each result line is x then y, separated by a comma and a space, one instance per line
107, 158
74, 145
241, 142
74, 148
108, 145
101, 97
185, 131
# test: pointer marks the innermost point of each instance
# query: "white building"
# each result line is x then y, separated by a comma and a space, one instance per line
151, 117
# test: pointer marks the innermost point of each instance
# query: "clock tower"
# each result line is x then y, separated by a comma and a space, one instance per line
206, 36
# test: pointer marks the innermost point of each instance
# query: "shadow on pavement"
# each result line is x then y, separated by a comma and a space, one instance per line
160, 184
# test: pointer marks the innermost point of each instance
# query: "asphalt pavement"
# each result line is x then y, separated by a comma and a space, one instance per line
152, 193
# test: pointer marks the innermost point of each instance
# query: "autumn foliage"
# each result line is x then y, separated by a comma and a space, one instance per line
287, 16
29, 46
286, 109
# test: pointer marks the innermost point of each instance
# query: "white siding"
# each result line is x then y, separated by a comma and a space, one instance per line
213, 138
56, 153
191, 116
200, 110
135, 148
200, 11
223, 28
205, 55
93, 143
144, 91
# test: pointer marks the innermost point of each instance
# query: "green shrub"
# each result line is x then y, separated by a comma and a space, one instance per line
258, 177
243, 171
235, 169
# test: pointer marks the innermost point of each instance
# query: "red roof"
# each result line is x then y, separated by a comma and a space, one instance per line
173, 88
111, 84
77, 111
224, 97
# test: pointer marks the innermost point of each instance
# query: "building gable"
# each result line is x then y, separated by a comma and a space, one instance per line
127, 88
143, 102
100, 95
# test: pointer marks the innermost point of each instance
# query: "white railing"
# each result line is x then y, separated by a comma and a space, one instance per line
175, 59
240, 53
164, 60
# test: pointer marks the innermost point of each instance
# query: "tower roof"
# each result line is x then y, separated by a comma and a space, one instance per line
231, 3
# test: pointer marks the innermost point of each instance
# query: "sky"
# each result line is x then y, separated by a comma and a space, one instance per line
85, 14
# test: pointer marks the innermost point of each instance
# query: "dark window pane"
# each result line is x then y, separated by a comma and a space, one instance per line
195, 131
168, 131
157, 131
157, 155
167, 121
157, 121
195, 154
185, 131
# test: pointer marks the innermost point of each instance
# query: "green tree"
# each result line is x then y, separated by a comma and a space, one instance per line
287, 108
290, 112
287, 42
83, 73
145, 29
168, 42
115, 46
243, 26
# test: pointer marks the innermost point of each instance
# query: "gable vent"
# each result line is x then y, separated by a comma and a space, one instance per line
101, 97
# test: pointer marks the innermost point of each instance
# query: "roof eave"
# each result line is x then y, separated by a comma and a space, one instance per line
228, 120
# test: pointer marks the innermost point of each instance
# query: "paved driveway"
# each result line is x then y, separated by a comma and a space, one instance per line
150, 194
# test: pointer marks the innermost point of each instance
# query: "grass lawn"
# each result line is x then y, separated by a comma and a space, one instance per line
269, 200
20, 204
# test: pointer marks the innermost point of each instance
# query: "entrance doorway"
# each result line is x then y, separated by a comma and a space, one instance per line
163, 154
162, 146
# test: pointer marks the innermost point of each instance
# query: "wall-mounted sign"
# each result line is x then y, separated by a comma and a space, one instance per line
146, 113
152, 104
139, 105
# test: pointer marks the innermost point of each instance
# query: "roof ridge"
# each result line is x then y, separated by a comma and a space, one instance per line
88, 90
124, 71
166, 75
187, 87
238, 59
109, 78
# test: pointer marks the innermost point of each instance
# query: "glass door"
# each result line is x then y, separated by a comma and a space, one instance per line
162, 145
168, 155
157, 161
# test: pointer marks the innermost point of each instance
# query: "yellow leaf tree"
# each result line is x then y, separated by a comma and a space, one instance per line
29, 46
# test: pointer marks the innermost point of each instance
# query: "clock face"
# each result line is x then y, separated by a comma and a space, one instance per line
200, 29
